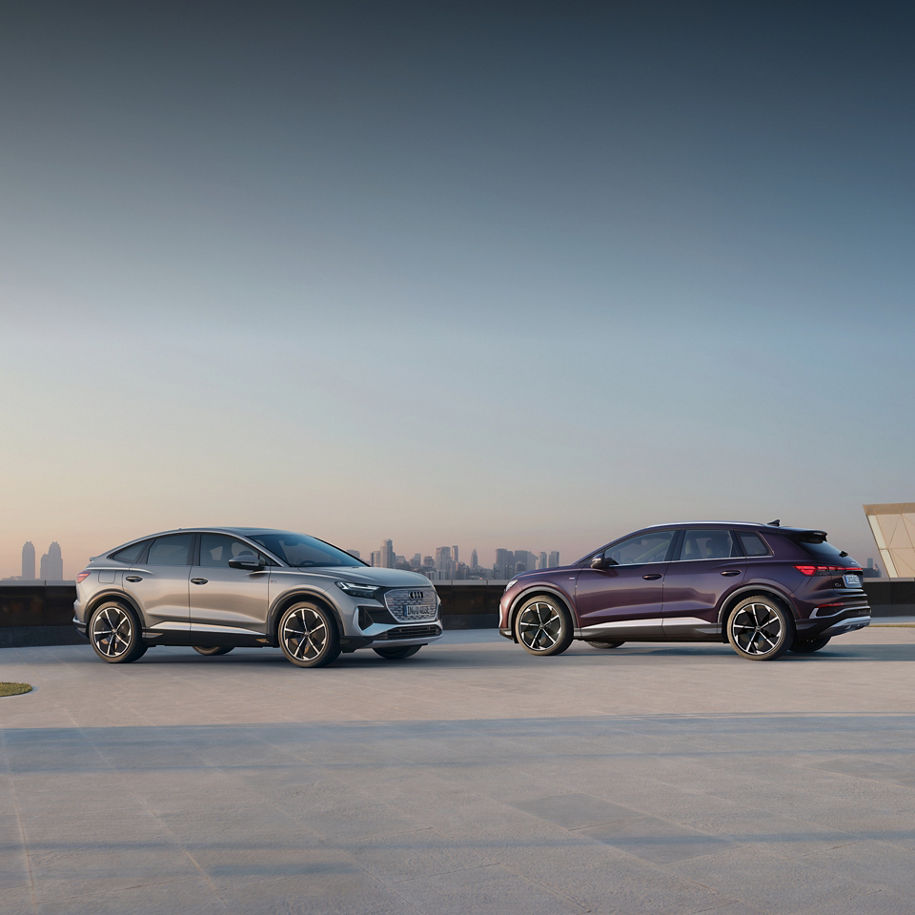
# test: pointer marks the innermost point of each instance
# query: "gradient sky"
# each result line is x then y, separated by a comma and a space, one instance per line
453, 273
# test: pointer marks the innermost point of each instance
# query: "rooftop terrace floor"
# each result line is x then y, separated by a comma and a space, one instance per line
470, 778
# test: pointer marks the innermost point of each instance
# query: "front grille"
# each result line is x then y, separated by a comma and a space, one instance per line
409, 605
411, 632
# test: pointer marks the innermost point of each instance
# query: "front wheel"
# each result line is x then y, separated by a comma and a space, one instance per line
809, 646
398, 653
543, 626
308, 635
114, 633
760, 629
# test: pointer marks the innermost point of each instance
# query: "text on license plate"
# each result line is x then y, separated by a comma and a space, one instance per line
415, 611
852, 581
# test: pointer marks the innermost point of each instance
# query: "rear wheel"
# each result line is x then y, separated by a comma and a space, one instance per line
760, 629
213, 650
114, 633
398, 653
809, 646
596, 644
543, 626
308, 635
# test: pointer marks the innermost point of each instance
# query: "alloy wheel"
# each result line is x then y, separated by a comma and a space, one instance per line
304, 634
112, 630
539, 626
757, 629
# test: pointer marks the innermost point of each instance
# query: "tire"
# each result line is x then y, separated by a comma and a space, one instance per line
809, 646
308, 635
543, 626
114, 633
213, 650
398, 653
595, 644
760, 629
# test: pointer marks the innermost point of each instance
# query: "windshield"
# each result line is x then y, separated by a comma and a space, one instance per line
303, 551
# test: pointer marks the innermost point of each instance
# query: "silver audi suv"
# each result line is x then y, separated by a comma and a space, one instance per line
215, 588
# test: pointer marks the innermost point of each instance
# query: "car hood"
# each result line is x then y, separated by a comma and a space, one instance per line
369, 575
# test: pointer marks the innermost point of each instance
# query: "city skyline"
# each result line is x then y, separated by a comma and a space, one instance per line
444, 562
483, 275
50, 567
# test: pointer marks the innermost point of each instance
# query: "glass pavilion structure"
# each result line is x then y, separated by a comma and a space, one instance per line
893, 527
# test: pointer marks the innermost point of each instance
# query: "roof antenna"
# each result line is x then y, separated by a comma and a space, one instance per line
776, 523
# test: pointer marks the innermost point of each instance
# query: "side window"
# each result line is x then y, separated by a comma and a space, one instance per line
217, 549
131, 553
707, 544
752, 544
651, 547
172, 550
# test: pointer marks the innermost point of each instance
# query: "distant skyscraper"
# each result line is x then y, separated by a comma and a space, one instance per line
443, 562
474, 560
505, 565
454, 555
554, 559
543, 564
52, 564
28, 560
387, 554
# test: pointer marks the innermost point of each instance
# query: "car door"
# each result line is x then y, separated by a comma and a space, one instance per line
158, 583
624, 596
223, 599
709, 564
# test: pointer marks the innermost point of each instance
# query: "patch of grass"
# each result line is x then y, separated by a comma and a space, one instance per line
14, 689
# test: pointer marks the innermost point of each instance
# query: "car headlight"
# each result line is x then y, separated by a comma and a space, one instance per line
354, 589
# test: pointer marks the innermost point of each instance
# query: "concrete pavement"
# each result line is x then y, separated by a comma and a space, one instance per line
471, 778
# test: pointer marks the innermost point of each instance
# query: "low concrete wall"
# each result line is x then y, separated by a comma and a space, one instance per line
37, 615
41, 614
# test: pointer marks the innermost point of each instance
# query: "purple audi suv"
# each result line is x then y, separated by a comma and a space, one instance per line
764, 588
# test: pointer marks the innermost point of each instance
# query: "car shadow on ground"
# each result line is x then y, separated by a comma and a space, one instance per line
446, 654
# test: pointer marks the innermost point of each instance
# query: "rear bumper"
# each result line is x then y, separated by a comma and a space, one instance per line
830, 619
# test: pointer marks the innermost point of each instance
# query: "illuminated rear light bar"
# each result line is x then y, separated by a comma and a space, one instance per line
827, 570
81, 576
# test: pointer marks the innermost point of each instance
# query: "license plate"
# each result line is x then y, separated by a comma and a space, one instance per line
852, 581
415, 611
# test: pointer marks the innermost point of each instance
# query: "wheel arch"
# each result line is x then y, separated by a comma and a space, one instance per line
286, 600
765, 590
117, 596
536, 591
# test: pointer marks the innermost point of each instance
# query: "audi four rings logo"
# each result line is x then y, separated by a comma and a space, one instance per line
416, 595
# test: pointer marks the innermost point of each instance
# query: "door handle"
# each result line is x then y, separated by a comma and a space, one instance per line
134, 578
653, 576
199, 581
731, 572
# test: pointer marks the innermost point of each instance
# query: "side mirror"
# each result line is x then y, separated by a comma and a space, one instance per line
246, 559
597, 562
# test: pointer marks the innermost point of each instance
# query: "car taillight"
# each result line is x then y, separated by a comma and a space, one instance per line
82, 576
826, 570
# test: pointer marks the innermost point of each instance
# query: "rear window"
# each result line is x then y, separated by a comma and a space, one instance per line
821, 550
752, 544
131, 553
